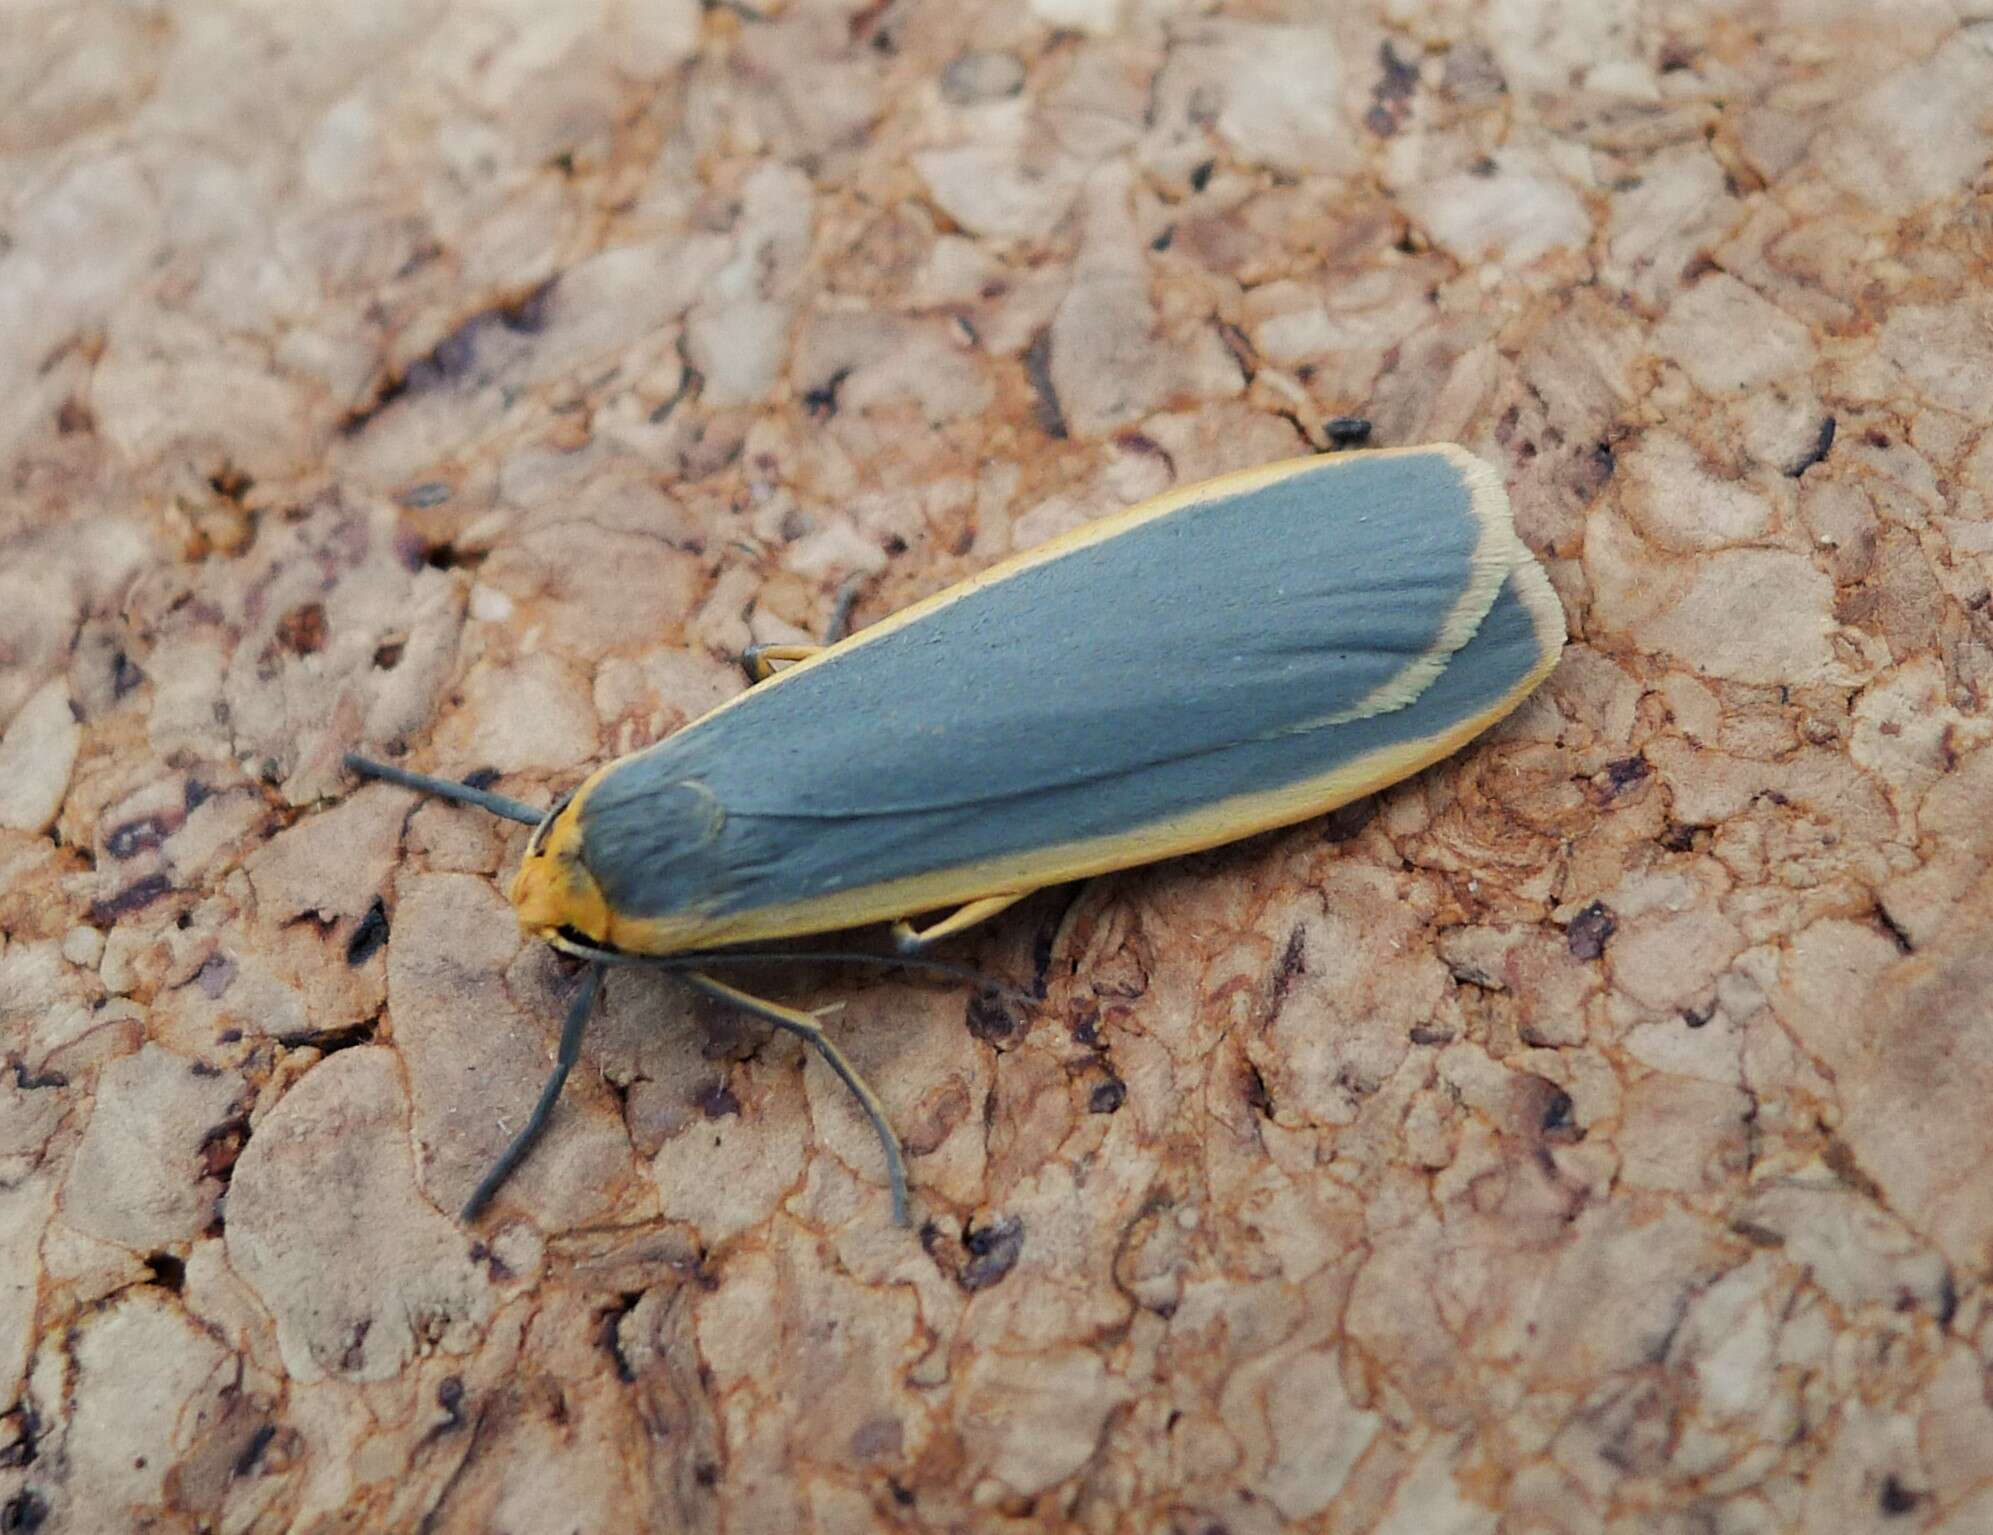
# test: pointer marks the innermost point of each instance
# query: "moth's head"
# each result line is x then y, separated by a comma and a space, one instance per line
553, 890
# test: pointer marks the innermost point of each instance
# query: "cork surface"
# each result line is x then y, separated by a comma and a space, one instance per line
1588, 1135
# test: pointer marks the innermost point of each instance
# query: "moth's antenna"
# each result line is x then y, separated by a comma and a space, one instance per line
443, 788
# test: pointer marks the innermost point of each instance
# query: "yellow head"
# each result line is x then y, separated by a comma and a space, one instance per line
553, 891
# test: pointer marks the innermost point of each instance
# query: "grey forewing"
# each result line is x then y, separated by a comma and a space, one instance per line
1178, 663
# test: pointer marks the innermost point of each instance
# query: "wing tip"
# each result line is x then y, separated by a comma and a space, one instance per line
1545, 609
1507, 555
1488, 564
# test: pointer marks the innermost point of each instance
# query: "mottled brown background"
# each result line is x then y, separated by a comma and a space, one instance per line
1590, 1135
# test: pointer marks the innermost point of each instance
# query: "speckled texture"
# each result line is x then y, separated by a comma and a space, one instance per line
1586, 1136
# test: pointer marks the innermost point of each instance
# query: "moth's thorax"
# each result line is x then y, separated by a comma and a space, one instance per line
553, 889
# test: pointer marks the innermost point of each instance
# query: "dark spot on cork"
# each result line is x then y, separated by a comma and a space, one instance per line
716, 1101
26, 1511
993, 1252
878, 1438
421, 497
35, 1081
231, 483
302, 630
1480, 977
327, 1041
370, 936
1391, 96
820, 400
1840, 1161
125, 676
1590, 930
1240, 346
1293, 964
134, 897
612, 1338
216, 975
1038, 369
25, 1425
450, 1397
1893, 930
221, 1149
1622, 774
445, 555
1399, 77
137, 836
252, 1452
453, 360
1107, 1096
1896, 1500
355, 1353
527, 316
1823, 440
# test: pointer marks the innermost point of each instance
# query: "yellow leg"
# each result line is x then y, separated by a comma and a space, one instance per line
758, 660
811, 1033
909, 940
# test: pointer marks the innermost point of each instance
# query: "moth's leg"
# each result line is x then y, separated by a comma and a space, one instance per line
570, 1052
911, 940
841, 606
811, 1033
758, 660
443, 788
